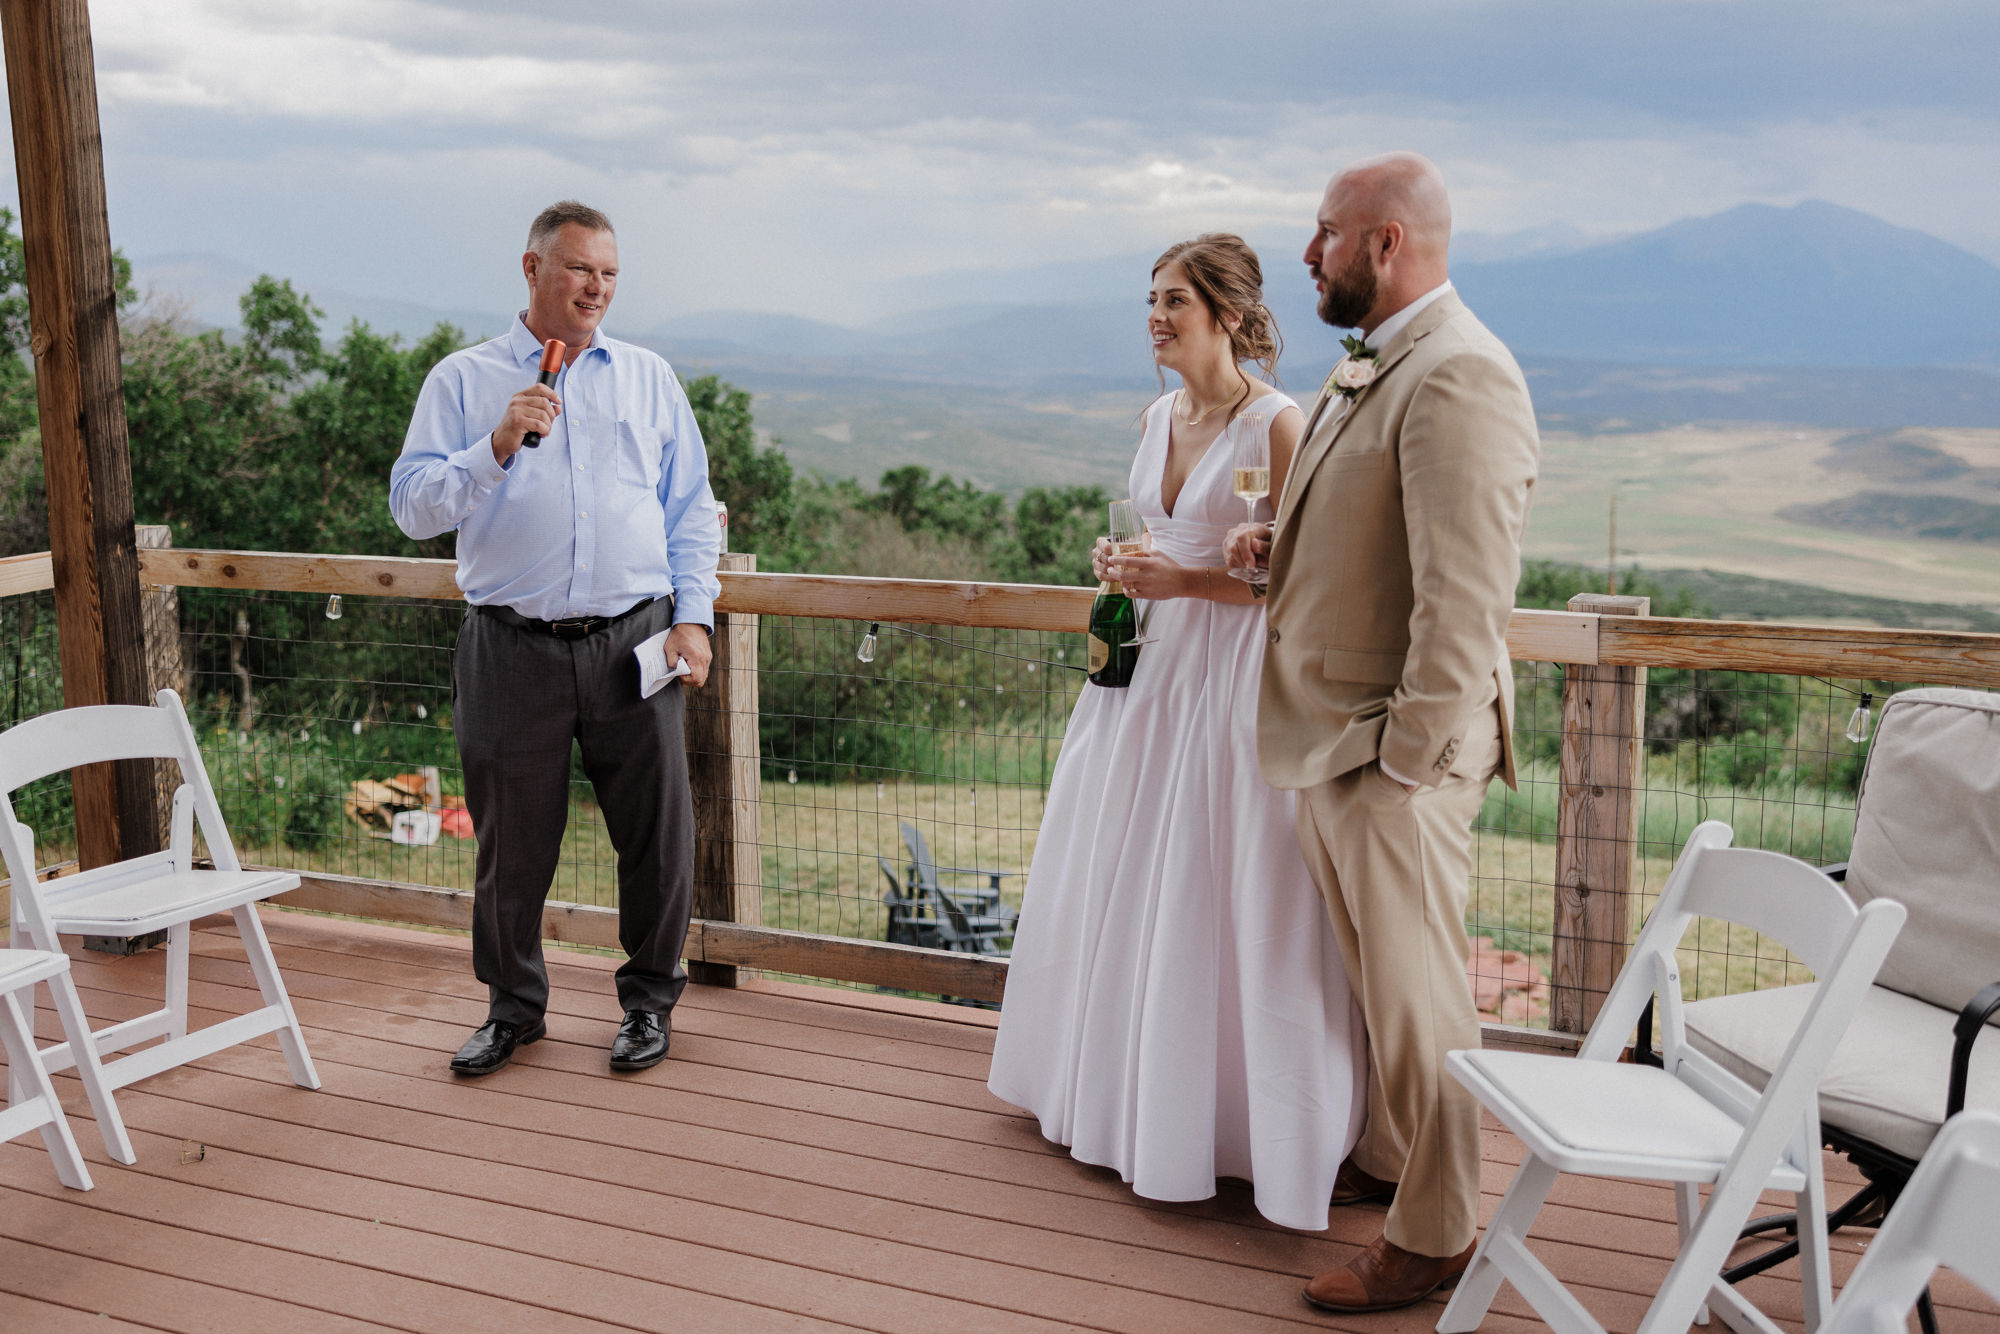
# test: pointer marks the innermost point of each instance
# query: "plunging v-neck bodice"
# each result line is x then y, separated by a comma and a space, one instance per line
1205, 500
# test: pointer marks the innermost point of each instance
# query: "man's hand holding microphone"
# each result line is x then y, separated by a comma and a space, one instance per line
531, 414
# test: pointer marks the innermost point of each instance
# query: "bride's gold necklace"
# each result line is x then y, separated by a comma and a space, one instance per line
1192, 418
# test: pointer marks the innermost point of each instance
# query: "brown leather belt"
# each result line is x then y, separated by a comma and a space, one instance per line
570, 627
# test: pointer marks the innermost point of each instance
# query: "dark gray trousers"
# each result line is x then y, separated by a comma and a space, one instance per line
519, 699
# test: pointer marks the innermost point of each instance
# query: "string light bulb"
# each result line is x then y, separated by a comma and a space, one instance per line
1862, 721
866, 653
333, 607
792, 776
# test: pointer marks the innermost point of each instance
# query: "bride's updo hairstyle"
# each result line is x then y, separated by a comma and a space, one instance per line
1225, 271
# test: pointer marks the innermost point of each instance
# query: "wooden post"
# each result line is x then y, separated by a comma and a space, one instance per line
73, 316
723, 772
161, 611
1603, 765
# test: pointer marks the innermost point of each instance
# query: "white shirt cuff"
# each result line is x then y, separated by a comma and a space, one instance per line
1391, 773
479, 463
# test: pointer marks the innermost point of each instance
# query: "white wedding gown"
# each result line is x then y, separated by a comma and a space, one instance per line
1176, 1007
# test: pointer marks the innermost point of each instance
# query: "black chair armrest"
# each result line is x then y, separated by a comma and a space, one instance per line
1837, 871
1642, 1045
1971, 1020
992, 875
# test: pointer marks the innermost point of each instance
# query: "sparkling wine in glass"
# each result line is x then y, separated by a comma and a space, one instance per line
1129, 538
1127, 532
1250, 479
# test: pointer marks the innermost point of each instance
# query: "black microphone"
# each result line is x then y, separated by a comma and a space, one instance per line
552, 360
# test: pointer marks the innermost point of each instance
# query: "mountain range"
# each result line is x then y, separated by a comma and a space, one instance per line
1811, 313
1814, 314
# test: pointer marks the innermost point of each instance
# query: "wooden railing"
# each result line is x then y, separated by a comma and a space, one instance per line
1604, 645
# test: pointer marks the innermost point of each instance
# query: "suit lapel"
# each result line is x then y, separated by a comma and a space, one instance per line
1330, 417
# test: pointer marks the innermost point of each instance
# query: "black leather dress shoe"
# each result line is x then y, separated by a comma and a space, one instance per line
642, 1040
493, 1046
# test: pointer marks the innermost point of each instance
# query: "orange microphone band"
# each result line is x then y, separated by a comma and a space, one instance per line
553, 352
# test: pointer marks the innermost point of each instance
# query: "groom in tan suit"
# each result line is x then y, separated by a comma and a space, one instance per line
1387, 697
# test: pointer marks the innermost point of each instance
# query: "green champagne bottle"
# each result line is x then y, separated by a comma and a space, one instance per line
1114, 624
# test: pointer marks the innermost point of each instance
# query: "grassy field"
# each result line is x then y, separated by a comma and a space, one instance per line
1706, 497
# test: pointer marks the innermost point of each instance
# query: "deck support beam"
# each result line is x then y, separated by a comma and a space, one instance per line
79, 387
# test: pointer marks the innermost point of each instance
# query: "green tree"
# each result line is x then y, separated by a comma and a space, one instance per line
24, 510
1053, 533
940, 506
351, 421
273, 442
757, 484
209, 433
17, 372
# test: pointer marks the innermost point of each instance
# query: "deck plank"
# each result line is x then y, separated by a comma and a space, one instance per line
800, 1164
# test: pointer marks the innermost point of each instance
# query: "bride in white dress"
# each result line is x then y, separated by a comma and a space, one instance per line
1176, 1007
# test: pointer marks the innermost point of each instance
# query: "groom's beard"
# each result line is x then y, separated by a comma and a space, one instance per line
1350, 294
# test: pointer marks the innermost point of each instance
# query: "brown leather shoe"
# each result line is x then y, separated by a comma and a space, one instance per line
1384, 1277
1351, 1185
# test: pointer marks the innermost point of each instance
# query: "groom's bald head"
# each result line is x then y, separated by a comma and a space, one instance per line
1384, 230
1405, 188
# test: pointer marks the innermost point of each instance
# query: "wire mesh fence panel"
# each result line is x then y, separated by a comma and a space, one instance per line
320, 719
893, 764
935, 753
1767, 754
30, 685
1510, 910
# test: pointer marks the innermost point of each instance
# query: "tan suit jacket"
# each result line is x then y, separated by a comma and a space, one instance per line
1395, 560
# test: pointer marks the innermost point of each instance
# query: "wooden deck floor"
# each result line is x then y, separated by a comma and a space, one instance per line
801, 1163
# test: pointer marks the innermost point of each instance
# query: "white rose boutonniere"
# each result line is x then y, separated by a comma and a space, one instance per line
1356, 371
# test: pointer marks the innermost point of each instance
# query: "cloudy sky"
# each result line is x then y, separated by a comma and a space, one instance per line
809, 157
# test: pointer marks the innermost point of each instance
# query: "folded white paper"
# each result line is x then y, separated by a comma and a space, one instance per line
653, 669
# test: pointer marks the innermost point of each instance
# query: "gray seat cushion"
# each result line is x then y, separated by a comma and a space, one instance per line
1927, 834
1888, 1079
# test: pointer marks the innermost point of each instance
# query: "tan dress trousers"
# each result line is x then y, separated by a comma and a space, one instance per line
1395, 870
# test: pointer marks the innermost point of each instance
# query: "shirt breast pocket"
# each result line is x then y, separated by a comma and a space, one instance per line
638, 456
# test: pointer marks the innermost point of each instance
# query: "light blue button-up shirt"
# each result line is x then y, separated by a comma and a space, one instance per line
613, 508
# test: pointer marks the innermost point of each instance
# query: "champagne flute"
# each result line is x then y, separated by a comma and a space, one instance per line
1250, 479
1129, 538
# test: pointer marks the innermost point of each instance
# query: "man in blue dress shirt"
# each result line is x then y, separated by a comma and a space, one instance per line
571, 554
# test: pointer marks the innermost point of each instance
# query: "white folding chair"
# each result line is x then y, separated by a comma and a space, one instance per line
162, 891
1691, 1122
31, 1098
1948, 1214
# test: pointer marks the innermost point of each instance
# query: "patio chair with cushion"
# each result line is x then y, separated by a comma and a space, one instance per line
1689, 1122
1948, 1214
1921, 1049
161, 891
31, 1098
